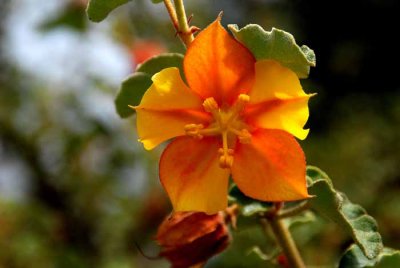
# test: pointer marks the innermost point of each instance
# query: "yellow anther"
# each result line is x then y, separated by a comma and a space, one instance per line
194, 130
244, 98
244, 136
210, 105
238, 107
192, 127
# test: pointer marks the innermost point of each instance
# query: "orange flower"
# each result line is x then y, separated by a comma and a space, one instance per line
233, 116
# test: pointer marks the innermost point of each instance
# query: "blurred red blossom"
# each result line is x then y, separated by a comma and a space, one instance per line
142, 50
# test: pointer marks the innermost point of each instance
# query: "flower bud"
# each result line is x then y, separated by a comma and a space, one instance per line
191, 238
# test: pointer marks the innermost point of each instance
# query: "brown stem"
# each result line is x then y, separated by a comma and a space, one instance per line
294, 210
180, 22
172, 14
284, 238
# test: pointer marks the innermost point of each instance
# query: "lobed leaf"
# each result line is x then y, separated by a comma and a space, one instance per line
351, 217
131, 92
98, 10
299, 219
162, 61
133, 88
354, 257
277, 45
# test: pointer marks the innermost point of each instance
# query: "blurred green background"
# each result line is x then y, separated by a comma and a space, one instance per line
78, 190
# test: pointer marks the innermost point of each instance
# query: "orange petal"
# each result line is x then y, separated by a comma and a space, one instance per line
190, 173
166, 107
277, 100
216, 65
270, 168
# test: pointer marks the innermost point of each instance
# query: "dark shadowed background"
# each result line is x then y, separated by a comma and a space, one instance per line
78, 190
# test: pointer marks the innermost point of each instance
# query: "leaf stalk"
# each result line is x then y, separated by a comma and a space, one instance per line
179, 20
283, 236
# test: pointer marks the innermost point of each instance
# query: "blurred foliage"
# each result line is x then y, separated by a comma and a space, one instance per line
89, 191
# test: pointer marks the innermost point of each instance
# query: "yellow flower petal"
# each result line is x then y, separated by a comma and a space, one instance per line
166, 107
277, 100
192, 177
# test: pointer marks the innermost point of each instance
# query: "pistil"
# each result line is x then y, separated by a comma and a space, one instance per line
226, 122
226, 158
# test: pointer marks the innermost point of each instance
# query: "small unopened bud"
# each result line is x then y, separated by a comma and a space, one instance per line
191, 238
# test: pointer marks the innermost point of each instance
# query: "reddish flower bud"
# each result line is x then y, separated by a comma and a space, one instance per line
191, 238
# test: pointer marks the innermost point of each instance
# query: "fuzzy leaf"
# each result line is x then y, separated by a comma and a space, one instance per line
131, 92
354, 257
299, 219
352, 218
277, 45
162, 61
98, 10
249, 206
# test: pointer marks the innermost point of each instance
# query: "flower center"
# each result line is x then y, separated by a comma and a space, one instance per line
227, 123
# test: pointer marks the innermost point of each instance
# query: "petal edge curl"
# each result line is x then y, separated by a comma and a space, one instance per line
277, 100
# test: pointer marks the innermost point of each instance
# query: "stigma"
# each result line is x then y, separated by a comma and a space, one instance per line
227, 123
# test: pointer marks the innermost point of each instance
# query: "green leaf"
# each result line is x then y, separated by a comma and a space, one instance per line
133, 88
354, 257
259, 253
389, 258
98, 10
249, 206
352, 218
156, 1
299, 219
131, 92
162, 61
277, 45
